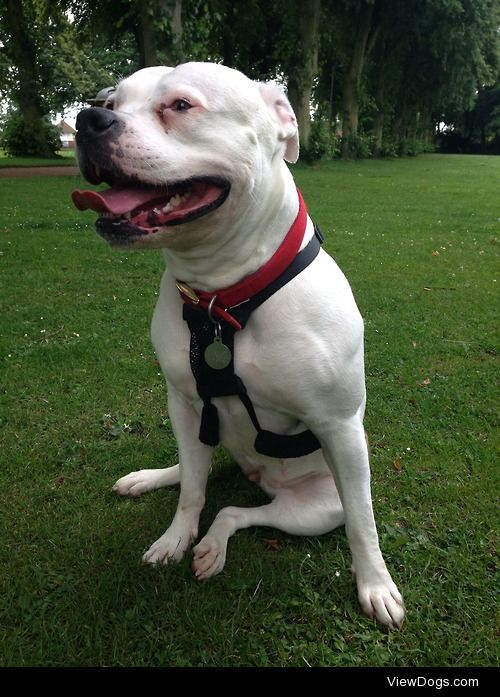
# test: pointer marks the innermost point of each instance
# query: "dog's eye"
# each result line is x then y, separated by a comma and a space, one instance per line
181, 105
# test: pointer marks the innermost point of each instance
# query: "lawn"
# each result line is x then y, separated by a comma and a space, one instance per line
83, 403
63, 159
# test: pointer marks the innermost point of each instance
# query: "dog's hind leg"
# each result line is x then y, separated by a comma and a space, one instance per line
137, 483
310, 508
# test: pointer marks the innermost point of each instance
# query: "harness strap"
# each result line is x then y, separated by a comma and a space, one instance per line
224, 382
243, 311
276, 444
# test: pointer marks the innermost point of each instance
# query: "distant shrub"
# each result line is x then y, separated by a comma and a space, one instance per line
360, 146
405, 148
411, 148
18, 139
389, 149
323, 145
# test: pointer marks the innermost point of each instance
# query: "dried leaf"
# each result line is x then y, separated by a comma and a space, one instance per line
425, 382
435, 253
273, 544
397, 464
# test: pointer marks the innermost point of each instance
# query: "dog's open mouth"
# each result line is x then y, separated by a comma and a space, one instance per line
132, 209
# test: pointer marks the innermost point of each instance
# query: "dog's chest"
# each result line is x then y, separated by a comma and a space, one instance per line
254, 364
175, 349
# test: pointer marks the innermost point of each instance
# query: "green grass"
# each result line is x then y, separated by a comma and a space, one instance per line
64, 158
83, 403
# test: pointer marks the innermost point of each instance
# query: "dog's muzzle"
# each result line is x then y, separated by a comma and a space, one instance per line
131, 208
97, 135
95, 123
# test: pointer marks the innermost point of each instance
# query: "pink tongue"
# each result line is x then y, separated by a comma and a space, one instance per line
117, 200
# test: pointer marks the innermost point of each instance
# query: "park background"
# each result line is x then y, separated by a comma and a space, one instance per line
382, 90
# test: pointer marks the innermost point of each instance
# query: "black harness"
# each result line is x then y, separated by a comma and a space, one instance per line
223, 381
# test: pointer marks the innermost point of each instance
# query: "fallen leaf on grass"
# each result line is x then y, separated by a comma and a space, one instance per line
425, 382
435, 253
397, 464
273, 544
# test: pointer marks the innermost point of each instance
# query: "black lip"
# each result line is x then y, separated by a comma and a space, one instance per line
119, 233
123, 233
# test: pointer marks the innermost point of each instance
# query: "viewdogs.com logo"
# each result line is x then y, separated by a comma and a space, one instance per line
437, 683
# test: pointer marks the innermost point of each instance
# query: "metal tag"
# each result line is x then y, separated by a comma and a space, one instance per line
217, 354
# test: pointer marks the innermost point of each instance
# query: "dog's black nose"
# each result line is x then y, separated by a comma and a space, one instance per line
96, 122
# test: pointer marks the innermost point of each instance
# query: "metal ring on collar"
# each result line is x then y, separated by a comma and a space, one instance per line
209, 310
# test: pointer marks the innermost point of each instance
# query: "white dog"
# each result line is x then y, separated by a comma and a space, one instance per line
261, 344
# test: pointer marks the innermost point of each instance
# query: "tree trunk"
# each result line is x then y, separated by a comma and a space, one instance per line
379, 115
175, 14
378, 132
302, 74
147, 36
378, 119
425, 125
156, 45
350, 95
21, 50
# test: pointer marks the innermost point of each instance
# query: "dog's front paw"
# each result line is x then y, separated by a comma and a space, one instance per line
133, 484
171, 546
209, 557
382, 600
137, 483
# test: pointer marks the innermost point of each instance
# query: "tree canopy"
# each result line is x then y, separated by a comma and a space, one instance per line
365, 77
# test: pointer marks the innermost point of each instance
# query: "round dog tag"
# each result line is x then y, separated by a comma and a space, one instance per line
217, 355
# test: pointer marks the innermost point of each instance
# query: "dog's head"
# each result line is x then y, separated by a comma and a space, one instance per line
176, 146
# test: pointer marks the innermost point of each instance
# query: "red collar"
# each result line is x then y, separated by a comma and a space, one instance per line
223, 300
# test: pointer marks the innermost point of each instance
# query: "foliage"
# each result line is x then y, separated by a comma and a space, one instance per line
359, 146
75, 71
422, 63
476, 130
19, 140
405, 148
323, 144
72, 65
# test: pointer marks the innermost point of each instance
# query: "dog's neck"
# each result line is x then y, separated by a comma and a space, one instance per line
222, 260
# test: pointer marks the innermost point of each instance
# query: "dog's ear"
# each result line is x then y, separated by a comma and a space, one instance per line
277, 102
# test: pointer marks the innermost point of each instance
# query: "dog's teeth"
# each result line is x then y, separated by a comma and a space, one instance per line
174, 202
178, 199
